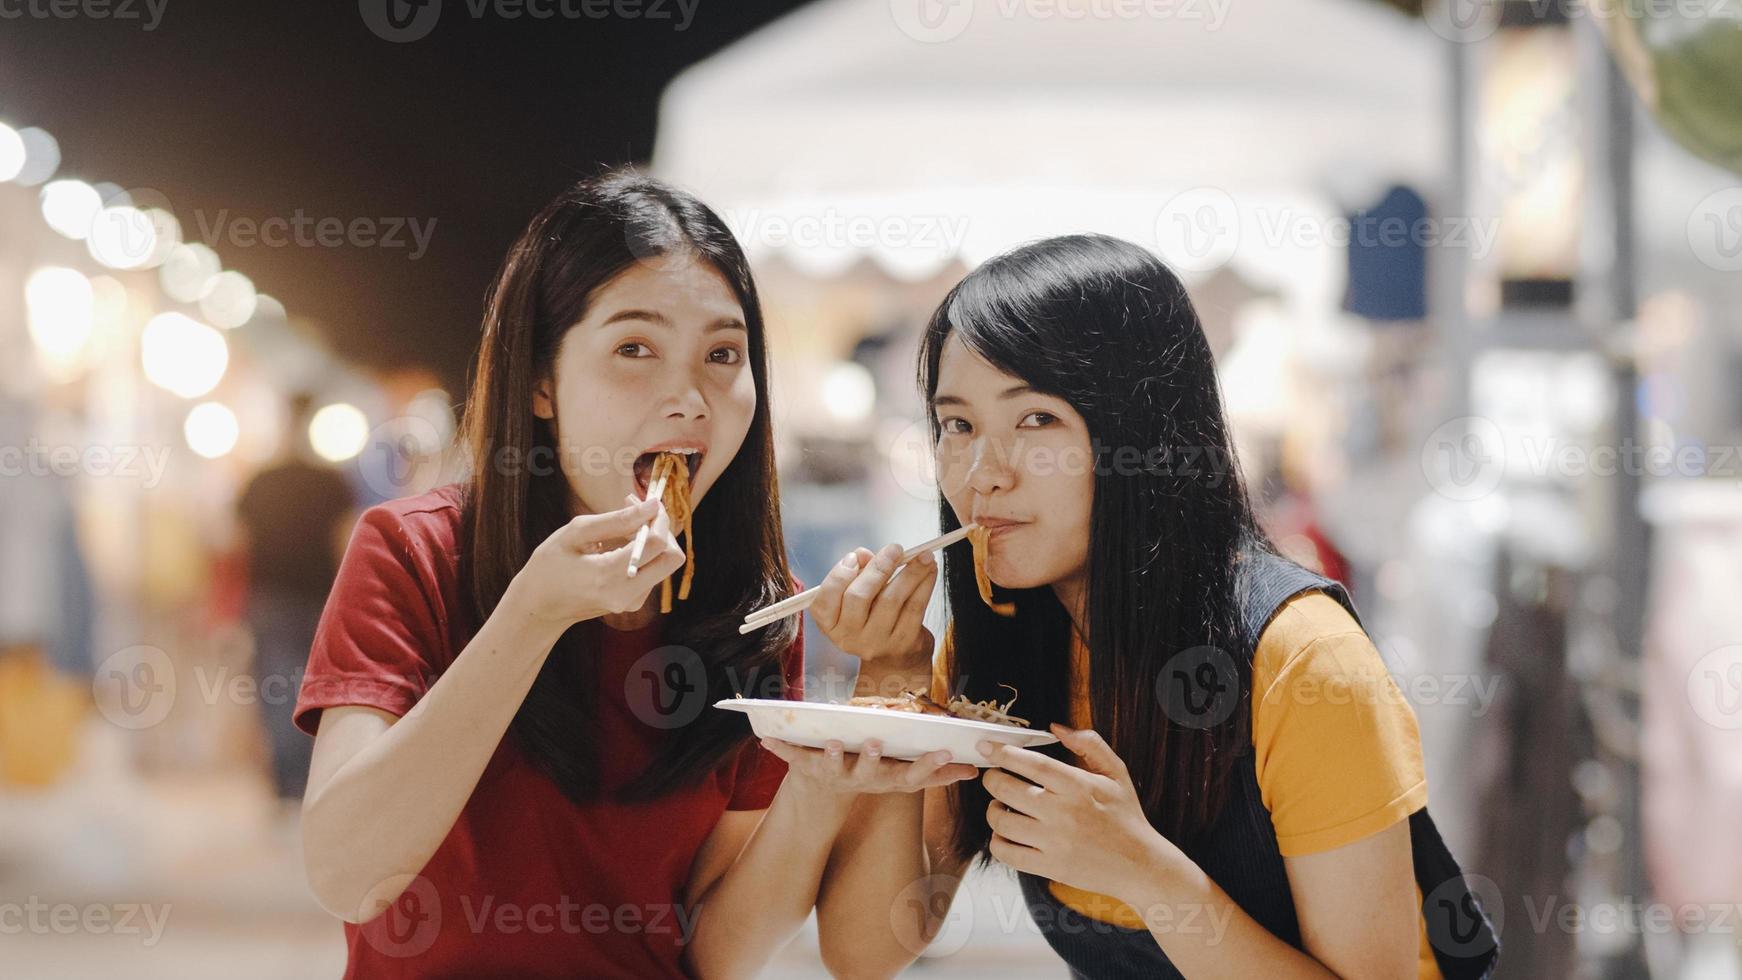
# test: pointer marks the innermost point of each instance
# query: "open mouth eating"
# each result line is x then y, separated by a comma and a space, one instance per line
644, 466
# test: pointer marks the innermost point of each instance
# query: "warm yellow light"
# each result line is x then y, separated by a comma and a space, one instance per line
211, 429
338, 432
188, 272
229, 300
182, 355
69, 207
123, 238
11, 153
61, 309
41, 157
849, 392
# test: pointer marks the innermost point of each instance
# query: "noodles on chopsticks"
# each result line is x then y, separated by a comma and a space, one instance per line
675, 469
981, 539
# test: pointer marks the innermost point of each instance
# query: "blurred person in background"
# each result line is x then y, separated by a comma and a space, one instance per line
295, 514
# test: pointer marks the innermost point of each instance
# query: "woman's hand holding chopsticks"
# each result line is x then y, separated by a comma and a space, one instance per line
873, 607
580, 571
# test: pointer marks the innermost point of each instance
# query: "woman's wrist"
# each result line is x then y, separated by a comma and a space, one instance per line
1162, 876
514, 613
816, 798
889, 676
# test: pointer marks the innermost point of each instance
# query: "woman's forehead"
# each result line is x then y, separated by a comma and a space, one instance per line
964, 373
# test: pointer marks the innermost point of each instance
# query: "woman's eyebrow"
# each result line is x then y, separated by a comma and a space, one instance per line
660, 319
1010, 392
652, 316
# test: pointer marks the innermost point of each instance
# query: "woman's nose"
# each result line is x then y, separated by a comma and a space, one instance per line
991, 470
685, 400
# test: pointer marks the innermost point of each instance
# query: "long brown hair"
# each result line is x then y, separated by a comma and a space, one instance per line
517, 493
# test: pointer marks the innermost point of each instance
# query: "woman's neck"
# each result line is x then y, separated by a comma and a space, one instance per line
1073, 594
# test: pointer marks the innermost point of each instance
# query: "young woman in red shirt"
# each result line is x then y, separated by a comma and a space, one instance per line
517, 771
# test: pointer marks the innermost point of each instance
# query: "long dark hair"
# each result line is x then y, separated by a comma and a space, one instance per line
1105, 326
517, 494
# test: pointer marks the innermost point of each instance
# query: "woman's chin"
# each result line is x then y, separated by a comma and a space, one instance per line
1006, 574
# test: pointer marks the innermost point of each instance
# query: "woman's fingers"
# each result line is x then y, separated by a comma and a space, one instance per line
1019, 856
1033, 766
857, 600
586, 532
1018, 828
825, 610
1017, 794
923, 768
937, 769
868, 762
898, 611
870, 771
659, 541
913, 609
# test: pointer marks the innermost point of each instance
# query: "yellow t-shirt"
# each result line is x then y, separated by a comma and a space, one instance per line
1336, 747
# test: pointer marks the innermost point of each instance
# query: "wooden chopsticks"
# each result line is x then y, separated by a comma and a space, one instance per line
793, 605
655, 491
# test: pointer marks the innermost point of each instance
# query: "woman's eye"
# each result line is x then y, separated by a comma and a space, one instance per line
726, 355
954, 426
1037, 420
634, 349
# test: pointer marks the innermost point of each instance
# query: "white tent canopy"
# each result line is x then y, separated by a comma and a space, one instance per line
857, 126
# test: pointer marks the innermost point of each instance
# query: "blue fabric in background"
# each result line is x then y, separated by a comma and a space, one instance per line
1388, 258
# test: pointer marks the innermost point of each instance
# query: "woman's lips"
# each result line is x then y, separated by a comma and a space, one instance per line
644, 469
999, 529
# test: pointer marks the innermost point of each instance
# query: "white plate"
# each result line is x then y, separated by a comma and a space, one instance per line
905, 734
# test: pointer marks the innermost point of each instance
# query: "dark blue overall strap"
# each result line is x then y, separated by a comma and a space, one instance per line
1463, 938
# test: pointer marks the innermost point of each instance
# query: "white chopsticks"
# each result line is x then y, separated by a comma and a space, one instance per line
655, 491
793, 605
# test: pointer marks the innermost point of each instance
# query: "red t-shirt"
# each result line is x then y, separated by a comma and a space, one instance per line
527, 883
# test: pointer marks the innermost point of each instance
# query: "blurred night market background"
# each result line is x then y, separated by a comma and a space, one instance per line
243, 251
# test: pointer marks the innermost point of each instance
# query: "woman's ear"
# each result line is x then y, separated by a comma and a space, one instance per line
543, 399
